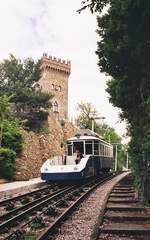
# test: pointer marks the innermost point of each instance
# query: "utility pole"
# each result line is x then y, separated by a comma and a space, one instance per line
116, 158
94, 118
127, 163
92, 124
116, 154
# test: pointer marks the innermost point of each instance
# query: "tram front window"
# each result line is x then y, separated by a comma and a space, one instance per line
78, 146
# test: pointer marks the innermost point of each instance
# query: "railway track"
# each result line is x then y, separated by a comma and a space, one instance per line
124, 217
19, 196
40, 220
12, 206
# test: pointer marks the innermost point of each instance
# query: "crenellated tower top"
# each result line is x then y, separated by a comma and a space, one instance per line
57, 64
54, 79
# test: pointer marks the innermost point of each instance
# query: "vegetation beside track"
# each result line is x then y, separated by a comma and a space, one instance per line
22, 105
124, 54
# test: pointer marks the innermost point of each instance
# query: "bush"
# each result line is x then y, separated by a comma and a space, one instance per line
12, 137
7, 159
12, 140
36, 121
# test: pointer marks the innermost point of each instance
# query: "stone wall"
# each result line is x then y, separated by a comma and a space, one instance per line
40, 147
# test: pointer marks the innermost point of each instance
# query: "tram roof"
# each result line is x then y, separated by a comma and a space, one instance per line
83, 138
78, 138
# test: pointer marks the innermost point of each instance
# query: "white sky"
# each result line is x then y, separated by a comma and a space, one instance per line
31, 27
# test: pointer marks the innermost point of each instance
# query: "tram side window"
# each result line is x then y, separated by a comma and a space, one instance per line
70, 150
108, 151
96, 148
105, 150
102, 150
88, 147
100, 147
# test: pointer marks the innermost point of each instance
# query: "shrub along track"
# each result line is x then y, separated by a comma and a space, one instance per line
41, 220
124, 217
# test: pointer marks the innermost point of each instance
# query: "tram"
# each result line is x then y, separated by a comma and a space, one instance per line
96, 157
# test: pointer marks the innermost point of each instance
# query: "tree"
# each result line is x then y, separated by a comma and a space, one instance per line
18, 79
93, 5
11, 141
16, 74
87, 111
108, 133
7, 159
4, 113
12, 136
124, 54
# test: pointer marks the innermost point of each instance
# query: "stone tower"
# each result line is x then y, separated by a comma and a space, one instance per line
54, 79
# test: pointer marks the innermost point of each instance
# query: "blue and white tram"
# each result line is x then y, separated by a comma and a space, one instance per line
97, 157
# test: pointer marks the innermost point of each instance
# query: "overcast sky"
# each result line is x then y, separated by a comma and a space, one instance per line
31, 27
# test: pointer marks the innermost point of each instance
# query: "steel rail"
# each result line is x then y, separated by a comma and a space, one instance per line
5, 201
85, 185
31, 220
24, 225
50, 229
25, 206
10, 222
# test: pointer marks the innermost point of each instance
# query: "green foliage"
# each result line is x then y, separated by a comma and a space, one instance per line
12, 137
140, 152
20, 99
84, 120
107, 133
16, 74
124, 54
18, 79
4, 106
86, 111
93, 5
122, 155
4, 113
28, 100
36, 121
7, 158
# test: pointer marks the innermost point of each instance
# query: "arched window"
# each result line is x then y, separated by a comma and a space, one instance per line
52, 86
55, 107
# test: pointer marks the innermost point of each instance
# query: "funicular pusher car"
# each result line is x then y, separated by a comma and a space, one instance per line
96, 156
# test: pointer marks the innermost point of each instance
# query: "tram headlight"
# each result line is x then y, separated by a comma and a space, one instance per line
75, 168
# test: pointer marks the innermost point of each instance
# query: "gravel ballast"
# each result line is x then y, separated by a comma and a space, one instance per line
81, 224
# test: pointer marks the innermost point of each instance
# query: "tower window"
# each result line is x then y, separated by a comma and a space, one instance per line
52, 86
59, 88
56, 88
55, 107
